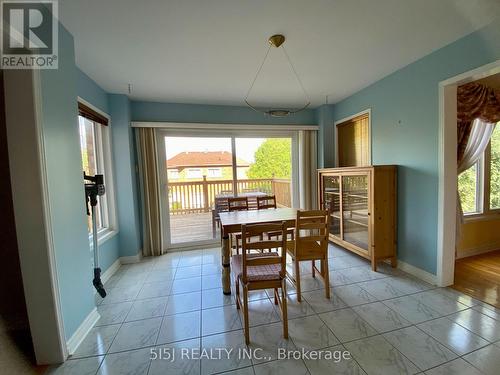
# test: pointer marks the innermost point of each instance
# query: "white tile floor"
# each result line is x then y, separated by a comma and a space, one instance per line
390, 322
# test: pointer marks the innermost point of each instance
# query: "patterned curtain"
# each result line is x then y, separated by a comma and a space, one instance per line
474, 101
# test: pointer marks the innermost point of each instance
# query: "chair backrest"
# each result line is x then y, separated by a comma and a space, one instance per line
237, 204
221, 204
311, 234
268, 201
249, 233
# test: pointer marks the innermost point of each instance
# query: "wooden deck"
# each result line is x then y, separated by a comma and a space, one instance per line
192, 227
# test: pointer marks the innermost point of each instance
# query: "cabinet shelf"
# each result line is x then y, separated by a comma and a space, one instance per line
356, 222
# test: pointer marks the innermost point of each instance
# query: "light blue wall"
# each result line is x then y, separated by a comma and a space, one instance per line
65, 184
125, 174
91, 92
152, 111
405, 132
326, 157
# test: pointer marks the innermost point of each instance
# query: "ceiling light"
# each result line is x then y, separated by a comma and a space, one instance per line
277, 42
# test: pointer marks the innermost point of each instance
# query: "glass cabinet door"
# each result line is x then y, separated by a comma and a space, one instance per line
355, 210
331, 202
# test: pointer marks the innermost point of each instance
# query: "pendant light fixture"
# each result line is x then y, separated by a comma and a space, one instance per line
277, 41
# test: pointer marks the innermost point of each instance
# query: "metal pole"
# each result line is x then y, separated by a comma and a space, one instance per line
94, 238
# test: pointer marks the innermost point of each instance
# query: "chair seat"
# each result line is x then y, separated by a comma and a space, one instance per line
257, 273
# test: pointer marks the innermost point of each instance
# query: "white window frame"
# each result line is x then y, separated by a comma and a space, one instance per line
483, 172
173, 173
215, 175
190, 170
479, 188
104, 159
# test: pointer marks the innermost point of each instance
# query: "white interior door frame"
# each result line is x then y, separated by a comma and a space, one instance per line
447, 199
30, 196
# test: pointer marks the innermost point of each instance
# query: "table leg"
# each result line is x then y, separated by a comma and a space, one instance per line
226, 269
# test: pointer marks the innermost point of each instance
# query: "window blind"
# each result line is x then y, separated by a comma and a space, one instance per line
353, 146
91, 114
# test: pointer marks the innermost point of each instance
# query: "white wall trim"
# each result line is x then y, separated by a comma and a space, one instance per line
131, 258
200, 125
477, 250
111, 271
82, 331
345, 119
417, 272
448, 169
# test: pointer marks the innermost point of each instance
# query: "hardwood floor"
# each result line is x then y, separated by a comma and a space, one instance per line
479, 277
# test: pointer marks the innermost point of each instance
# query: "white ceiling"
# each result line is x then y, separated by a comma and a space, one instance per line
208, 51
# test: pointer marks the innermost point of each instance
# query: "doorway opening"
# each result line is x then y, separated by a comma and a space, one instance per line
477, 268
467, 259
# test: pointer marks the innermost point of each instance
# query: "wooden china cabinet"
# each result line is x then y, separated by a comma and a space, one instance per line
362, 206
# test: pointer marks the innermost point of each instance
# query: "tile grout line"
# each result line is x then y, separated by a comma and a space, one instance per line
150, 269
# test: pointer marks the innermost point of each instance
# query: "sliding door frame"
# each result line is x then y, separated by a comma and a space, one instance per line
232, 134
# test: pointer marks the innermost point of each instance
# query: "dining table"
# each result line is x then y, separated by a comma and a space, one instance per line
231, 222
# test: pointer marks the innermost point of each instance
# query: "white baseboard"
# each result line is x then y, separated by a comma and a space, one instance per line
82, 331
417, 272
477, 250
111, 271
131, 259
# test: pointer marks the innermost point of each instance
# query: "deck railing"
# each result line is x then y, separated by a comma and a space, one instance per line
198, 196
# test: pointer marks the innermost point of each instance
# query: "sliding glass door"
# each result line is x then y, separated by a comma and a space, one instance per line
197, 168
265, 165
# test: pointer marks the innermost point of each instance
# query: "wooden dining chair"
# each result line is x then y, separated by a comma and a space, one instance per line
310, 243
266, 201
220, 205
237, 204
258, 271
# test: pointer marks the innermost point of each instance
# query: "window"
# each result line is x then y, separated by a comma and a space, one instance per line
89, 162
214, 172
469, 191
173, 174
353, 141
96, 159
494, 162
194, 173
479, 186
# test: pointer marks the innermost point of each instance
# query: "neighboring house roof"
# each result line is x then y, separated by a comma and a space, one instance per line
196, 159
